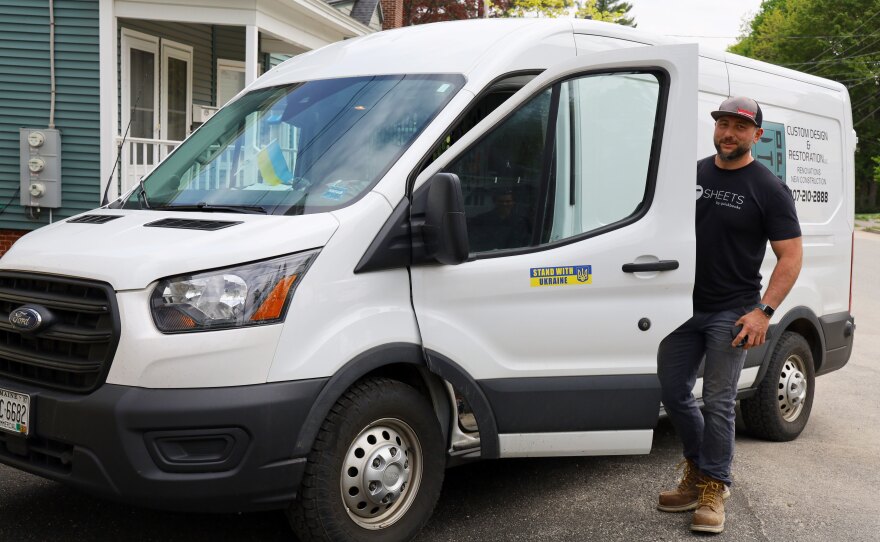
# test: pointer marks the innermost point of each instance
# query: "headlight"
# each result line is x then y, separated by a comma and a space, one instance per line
248, 295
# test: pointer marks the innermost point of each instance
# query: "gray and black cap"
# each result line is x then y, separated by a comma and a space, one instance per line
740, 106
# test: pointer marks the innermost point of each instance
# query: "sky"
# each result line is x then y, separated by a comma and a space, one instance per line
695, 18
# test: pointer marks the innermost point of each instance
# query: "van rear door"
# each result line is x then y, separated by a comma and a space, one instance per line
579, 199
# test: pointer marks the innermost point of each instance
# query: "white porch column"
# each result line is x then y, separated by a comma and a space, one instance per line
107, 88
251, 52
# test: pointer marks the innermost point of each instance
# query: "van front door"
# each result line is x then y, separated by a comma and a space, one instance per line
579, 197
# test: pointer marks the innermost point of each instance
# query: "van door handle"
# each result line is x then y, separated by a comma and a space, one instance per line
662, 265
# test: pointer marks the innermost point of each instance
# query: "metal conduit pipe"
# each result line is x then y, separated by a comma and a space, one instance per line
51, 64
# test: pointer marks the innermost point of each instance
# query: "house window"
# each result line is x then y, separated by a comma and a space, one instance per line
176, 90
156, 89
140, 84
230, 79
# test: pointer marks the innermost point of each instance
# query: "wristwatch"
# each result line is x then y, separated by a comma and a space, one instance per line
766, 309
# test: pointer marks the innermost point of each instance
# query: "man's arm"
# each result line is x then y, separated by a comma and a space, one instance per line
789, 256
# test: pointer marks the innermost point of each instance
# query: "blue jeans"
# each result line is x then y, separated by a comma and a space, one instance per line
707, 436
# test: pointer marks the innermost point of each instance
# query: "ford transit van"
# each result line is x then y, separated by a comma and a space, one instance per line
424, 246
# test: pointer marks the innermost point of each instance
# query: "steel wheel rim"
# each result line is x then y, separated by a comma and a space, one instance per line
793, 388
381, 473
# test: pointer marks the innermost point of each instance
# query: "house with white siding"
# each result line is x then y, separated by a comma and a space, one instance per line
124, 81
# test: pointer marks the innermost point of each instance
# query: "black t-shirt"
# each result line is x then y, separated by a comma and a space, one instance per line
737, 212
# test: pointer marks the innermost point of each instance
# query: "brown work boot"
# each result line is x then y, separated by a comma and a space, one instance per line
686, 496
709, 517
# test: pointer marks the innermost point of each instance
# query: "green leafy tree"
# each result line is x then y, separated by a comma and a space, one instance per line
523, 8
876, 160
611, 11
834, 39
431, 11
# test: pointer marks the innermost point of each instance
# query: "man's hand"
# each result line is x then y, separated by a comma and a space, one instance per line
789, 255
754, 325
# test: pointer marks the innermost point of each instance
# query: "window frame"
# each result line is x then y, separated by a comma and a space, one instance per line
132, 39
182, 52
663, 80
225, 64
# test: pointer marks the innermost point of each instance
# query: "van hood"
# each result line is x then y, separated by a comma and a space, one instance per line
132, 251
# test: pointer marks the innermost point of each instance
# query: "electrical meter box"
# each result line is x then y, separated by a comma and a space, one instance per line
40, 167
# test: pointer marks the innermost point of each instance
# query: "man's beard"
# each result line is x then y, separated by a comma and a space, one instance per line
740, 150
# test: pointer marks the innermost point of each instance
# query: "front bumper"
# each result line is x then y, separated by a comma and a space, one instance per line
210, 449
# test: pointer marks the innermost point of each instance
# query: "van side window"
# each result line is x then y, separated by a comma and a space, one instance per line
501, 179
604, 135
494, 96
602, 141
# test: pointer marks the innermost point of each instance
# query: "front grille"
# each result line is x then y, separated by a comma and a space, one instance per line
74, 352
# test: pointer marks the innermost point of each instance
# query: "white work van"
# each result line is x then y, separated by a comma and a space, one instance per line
440, 243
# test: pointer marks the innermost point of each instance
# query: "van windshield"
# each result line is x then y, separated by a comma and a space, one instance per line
296, 149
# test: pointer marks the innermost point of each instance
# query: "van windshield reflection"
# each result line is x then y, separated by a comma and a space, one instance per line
297, 149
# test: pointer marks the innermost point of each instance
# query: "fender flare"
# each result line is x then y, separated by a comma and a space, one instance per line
453, 373
393, 354
348, 374
797, 313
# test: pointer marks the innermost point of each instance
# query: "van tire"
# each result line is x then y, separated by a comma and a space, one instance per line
780, 409
377, 421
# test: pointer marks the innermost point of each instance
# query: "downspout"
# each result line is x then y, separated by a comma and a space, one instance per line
51, 64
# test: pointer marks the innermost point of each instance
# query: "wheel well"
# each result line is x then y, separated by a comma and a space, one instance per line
426, 383
808, 331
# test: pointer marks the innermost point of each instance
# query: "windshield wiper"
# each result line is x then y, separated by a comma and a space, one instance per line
206, 208
142, 195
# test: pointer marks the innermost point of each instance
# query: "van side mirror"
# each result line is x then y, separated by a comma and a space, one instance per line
432, 229
445, 229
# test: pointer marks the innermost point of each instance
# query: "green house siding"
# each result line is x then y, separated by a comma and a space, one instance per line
230, 42
24, 100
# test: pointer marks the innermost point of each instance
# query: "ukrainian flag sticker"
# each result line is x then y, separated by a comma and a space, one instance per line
561, 276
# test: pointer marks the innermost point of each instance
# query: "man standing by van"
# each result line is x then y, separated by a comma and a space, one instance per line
740, 206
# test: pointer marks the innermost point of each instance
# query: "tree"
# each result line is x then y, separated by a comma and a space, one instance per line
611, 11
876, 161
432, 11
522, 8
834, 39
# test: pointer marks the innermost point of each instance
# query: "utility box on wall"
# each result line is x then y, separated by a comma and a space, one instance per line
40, 167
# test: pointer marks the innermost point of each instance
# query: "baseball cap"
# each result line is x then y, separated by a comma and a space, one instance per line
740, 106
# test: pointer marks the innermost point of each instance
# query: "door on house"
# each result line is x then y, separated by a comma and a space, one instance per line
156, 93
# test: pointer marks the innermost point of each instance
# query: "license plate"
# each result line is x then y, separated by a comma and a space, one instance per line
15, 412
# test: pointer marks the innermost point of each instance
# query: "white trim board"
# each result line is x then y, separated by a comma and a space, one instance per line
108, 61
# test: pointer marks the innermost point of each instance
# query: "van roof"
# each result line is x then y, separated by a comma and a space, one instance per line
449, 47
464, 46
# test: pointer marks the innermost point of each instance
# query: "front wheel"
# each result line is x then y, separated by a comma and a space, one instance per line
376, 468
781, 407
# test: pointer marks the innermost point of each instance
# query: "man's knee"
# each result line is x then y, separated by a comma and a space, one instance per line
722, 403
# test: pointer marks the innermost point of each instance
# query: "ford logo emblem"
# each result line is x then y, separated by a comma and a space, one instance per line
25, 319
